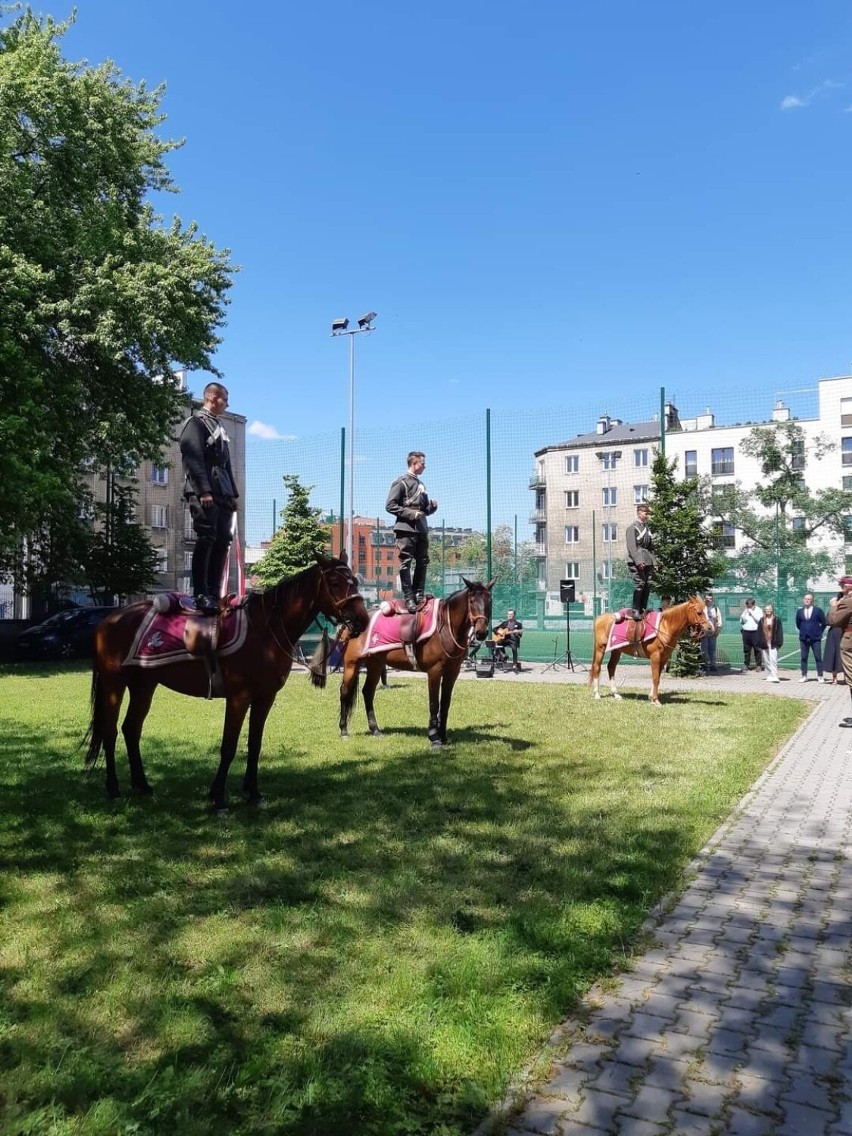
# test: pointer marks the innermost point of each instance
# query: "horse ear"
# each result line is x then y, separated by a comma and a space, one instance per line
344, 559
491, 583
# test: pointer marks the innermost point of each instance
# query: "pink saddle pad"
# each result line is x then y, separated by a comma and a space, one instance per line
383, 632
159, 639
619, 632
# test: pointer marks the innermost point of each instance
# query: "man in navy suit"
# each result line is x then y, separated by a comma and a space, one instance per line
810, 621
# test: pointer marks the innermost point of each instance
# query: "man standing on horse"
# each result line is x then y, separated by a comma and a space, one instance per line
211, 493
411, 505
640, 559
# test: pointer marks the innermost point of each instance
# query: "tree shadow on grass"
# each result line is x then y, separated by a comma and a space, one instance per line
186, 969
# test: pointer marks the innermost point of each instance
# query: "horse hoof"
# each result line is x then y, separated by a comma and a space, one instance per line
376, 733
257, 800
436, 743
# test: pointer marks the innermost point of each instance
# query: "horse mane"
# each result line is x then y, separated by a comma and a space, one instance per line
317, 664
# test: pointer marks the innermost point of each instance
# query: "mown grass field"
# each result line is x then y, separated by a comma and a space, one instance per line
381, 948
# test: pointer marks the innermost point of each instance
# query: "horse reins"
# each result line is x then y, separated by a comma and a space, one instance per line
337, 605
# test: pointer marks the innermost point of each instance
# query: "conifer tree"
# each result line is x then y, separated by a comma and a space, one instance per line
297, 541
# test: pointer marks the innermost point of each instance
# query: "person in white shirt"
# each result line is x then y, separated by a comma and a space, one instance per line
750, 631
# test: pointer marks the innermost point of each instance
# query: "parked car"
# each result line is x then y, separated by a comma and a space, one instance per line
68, 635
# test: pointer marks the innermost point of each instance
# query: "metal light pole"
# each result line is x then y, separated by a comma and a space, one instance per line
341, 327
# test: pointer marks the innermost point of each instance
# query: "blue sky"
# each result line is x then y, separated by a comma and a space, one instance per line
540, 201
553, 204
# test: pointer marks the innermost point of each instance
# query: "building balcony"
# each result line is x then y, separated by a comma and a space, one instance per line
537, 481
538, 550
538, 516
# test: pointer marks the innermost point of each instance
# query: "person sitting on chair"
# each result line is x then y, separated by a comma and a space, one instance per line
508, 635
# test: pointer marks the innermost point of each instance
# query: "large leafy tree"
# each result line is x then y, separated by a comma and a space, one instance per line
782, 521
98, 295
300, 537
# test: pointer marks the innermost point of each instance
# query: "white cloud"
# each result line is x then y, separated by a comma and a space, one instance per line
260, 429
793, 102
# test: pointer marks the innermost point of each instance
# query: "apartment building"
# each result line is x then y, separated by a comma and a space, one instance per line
586, 489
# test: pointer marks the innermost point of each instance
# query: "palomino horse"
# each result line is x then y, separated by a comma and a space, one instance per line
251, 675
673, 622
440, 656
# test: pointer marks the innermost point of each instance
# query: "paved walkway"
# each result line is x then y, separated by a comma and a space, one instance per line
737, 1022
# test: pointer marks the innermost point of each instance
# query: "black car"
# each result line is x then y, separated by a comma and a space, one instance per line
68, 635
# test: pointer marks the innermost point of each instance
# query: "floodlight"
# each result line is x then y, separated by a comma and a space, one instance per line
365, 321
339, 325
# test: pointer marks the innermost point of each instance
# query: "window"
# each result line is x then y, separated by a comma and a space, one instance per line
608, 461
572, 498
159, 516
85, 511
572, 569
722, 461
610, 531
188, 530
847, 483
572, 463
187, 561
846, 412
847, 529
846, 449
572, 534
640, 458
606, 570
690, 463
162, 559
724, 535
159, 475
640, 494
610, 495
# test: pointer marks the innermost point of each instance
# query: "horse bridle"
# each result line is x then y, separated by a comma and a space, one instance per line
352, 593
446, 623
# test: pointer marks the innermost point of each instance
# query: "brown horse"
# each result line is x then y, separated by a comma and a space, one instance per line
251, 676
440, 656
673, 623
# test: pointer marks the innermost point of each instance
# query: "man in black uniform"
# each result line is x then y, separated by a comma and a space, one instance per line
640, 559
211, 493
410, 504
508, 635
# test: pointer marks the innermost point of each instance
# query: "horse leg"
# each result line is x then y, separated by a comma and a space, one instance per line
260, 708
595, 670
610, 670
236, 709
447, 684
141, 696
110, 694
348, 695
434, 732
371, 681
656, 669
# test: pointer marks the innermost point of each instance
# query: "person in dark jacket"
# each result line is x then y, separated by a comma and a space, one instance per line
640, 559
840, 615
770, 636
410, 504
211, 493
811, 623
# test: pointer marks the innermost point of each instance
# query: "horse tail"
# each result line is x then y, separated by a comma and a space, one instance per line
94, 735
318, 662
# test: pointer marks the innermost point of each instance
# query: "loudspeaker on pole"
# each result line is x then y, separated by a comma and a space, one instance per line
567, 591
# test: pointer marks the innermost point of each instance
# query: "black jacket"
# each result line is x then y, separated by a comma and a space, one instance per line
407, 498
206, 458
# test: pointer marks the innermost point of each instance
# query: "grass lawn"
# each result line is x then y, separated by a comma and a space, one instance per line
380, 949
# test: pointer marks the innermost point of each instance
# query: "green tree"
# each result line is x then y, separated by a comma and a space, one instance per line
687, 562
781, 517
300, 537
120, 559
98, 296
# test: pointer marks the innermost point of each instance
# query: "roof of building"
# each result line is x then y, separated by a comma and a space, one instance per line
624, 432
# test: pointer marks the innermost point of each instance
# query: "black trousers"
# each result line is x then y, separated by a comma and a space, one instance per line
751, 641
212, 542
413, 549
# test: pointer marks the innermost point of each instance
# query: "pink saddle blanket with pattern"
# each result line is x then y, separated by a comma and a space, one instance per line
161, 635
619, 633
384, 632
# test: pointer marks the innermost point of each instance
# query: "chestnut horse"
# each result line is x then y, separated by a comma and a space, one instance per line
674, 621
251, 676
440, 656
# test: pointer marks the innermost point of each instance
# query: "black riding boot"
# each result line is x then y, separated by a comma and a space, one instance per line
638, 601
420, 579
405, 584
201, 557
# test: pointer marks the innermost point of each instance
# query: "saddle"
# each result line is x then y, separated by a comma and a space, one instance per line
411, 624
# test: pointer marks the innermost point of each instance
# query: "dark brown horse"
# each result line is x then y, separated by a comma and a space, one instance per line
251, 676
440, 656
674, 621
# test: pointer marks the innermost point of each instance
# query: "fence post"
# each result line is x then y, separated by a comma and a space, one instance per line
488, 494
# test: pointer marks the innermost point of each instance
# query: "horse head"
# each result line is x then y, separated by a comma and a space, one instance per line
479, 606
699, 624
338, 596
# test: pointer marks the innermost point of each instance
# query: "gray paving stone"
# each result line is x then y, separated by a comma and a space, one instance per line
653, 1103
542, 1115
617, 1078
799, 1119
689, 1124
742, 1123
703, 1098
